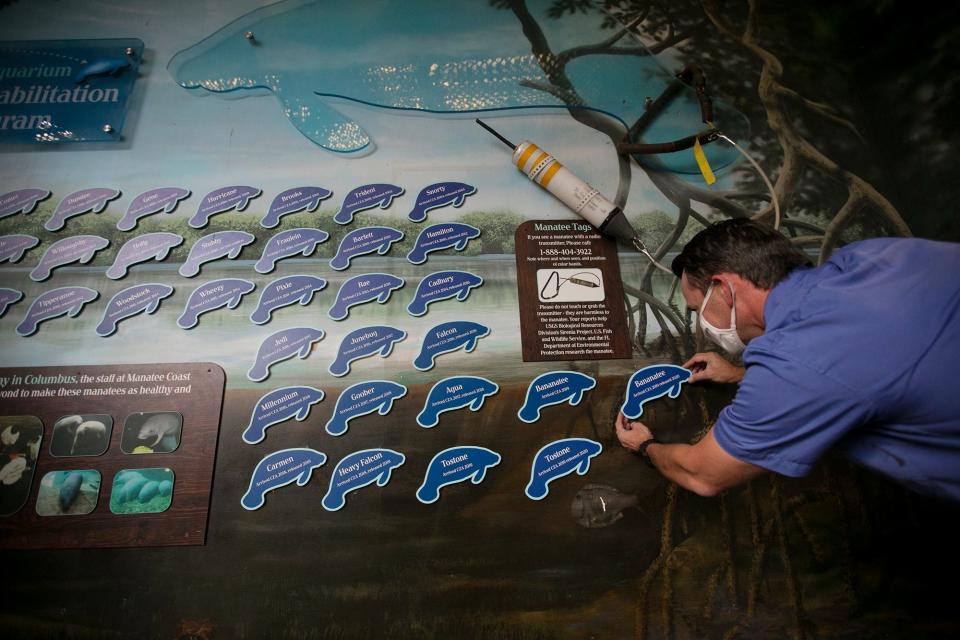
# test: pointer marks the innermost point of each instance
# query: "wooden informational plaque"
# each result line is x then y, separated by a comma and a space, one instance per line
194, 391
571, 295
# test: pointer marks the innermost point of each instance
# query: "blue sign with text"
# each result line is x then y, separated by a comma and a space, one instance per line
453, 393
279, 469
557, 459
363, 398
279, 406
554, 387
66, 90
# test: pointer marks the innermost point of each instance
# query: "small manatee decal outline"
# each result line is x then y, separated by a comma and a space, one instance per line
154, 292
481, 459
437, 195
336, 496
301, 457
230, 295
292, 201
337, 425
559, 387
644, 386
280, 410
305, 288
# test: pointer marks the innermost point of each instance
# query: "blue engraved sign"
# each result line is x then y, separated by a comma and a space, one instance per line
66, 90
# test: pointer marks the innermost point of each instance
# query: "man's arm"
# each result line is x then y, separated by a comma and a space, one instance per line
704, 468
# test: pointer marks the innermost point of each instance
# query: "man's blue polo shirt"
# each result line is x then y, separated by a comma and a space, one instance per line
861, 353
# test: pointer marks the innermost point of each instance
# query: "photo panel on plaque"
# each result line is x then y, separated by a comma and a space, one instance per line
73, 492
151, 432
20, 438
141, 491
81, 435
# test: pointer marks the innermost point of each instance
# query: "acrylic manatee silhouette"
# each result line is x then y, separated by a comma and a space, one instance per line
478, 59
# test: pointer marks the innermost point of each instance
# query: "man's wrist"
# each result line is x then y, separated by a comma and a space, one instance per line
641, 451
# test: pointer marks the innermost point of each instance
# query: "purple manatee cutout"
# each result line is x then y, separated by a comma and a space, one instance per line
13, 247
149, 246
363, 241
54, 303
130, 302
366, 197
281, 346
279, 406
221, 200
289, 243
212, 247
364, 343
150, 202
21, 201
441, 285
80, 202
8, 298
292, 201
285, 291
442, 236
73, 249
439, 195
226, 292
361, 289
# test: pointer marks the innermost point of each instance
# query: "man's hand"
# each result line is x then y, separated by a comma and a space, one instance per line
711, 366
631, 434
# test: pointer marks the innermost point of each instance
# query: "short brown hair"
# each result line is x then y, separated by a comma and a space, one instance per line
754, 251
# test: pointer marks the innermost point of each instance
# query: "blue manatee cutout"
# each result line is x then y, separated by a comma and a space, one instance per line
366, 197
216, 294
454, 465
279, 469
358, 470
363, 343
454, 393
8, 298
439, 195
279, 406
361, 289
129, 302
149, 246
442, 285
552, 388
651, 383
55, 303
441, 236
361, 399
292, 201
282, 345
363, 241
557, 459
283, 292
448, 337
440, 59
289, 243
21, 201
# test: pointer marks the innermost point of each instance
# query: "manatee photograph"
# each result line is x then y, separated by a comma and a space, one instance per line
141, 491
81, 435
19, 446
156, 432
68, 493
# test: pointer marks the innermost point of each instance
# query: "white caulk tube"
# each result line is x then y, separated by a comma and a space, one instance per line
583, 199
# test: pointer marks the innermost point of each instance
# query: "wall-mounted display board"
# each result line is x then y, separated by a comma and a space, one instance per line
108, 456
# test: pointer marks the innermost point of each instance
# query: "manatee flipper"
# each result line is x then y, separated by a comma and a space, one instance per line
583, 466
479, 475
470, 344
304, 477
304, 412
152, 306
385, 407
674, 390
576, 397
385, 248
462, 244
384, 478
477, 402
463, 294
383, 297
323, 124
305, 350
459, 200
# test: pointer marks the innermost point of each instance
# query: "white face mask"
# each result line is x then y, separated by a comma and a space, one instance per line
727, 339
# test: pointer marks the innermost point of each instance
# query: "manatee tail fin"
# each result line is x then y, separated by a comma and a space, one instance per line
535, 490
338, 368
528, 413
106, 328
427, 419
336, 427
338, 312
260, 315
269, 221
253, 436
126, 224
417, 215
263, 265
333, 501
428, 494
423, 362
416, 257
339, 262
